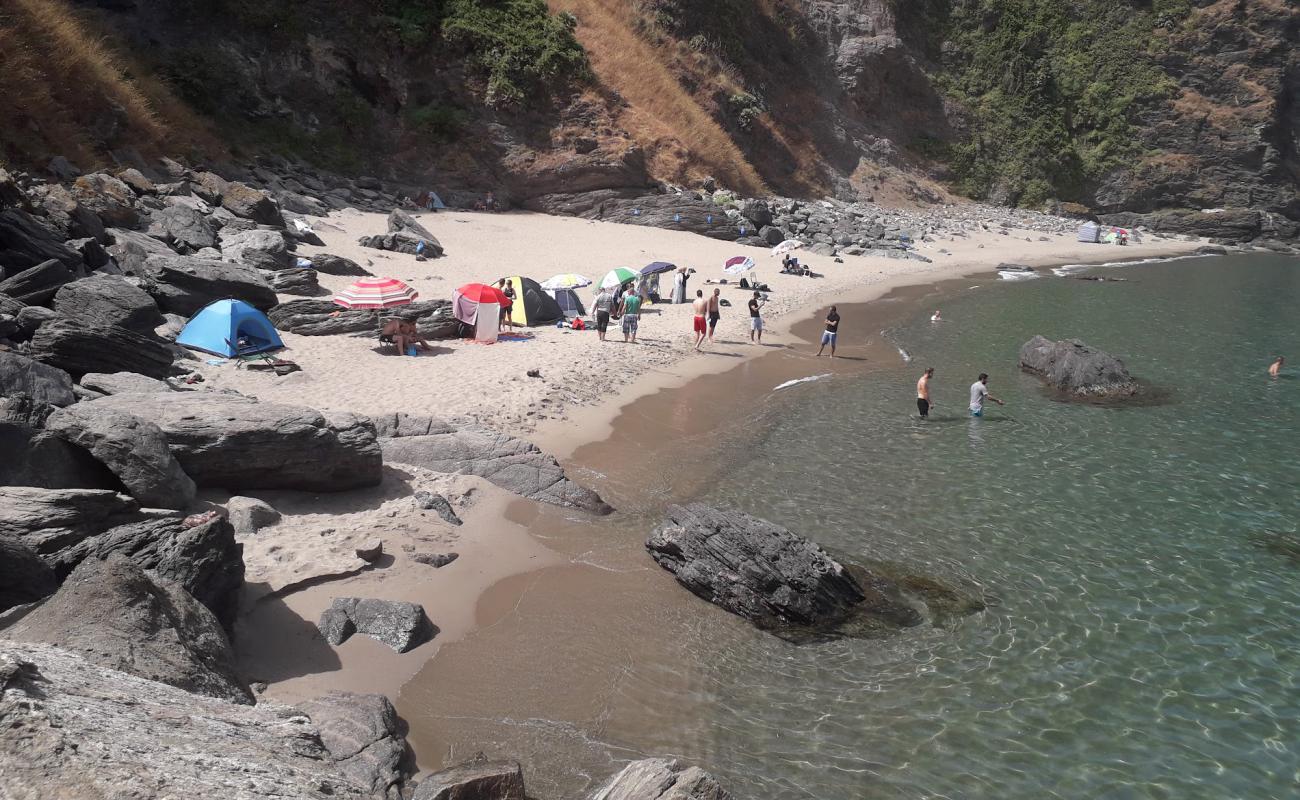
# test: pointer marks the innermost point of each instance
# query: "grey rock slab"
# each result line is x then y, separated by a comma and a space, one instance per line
1077, 369
183, 226
435, 560
479, 779
123, 383
299, 281
403, 242
110, 198
257, 248
430, 501
134, 449
337, 265
362, 734
130, 249
400, 625
234, 442
75, 729
37, 284
249, 203
661, 779
25, 243
248, 515
80, 347
185, 284
399, 221
41, 382
109, 300
370, 550
38, 458
117, 616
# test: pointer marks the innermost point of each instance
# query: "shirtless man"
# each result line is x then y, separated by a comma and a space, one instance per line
701, 308
715, 312
923, 403
1275, 368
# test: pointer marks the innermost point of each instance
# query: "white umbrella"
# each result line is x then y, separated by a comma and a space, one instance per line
567, 280
738, 265
786, 246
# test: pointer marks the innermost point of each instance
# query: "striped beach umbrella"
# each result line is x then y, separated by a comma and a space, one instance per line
738, 265
376, 293
567, 280
617, 277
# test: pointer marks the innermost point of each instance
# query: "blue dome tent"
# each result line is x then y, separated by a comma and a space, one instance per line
229, 328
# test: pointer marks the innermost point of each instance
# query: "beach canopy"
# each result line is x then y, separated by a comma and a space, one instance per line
1089, 232
532, 306
617, 277
786, 246
656, 267
376, 293
566, 280
738, 265
479, 306
569, 302
229, 327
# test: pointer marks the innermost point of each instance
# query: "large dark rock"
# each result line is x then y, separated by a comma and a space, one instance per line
79, 346
41, 382
479, 779
1076, 369
788, 585
362, 734
234, 442
131, 249
472, 449
117, 616
337, 265
301, 281
661, 779
757, 212
403, 242
400, 625
35, 286
24, 577
1233, 225
24, 243
185, 229
122, 383
184, 284
74, 729
109, 300
256, 248
399, 221
244, 201
65, 215
433, 318
134, 449
36, 457
111, 199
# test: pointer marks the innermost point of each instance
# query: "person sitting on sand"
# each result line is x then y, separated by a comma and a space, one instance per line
1275, 369
698, 324
404, 335
923, 403
831, 333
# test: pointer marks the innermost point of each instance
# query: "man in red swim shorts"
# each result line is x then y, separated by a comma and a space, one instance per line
701, 307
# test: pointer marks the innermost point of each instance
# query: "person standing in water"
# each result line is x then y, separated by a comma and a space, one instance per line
936, 317
698, 324
755, 317
923, 403
1275, 369
979, 392
831, 333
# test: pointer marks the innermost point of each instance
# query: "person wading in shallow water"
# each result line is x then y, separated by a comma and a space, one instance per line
1275, 368
979, 392
923, 403
831, 333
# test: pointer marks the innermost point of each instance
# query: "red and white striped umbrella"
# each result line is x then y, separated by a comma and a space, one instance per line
376, 293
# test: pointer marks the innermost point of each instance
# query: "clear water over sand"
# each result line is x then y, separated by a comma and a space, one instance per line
1143, 566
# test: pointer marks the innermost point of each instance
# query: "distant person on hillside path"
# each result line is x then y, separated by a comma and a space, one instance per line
1275, 369
755, 317
979, 392
604, 304
698, 324
923, 403
631, 316
715, 312
831, 333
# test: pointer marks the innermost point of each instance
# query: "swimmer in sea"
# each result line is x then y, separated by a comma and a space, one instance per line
936, 317
1275, 368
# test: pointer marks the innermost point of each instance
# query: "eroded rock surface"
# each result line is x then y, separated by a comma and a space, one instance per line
1075, 368
398, 624
478, 779
661, 779
363, 737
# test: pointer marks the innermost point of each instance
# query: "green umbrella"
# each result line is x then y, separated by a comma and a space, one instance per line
617, 277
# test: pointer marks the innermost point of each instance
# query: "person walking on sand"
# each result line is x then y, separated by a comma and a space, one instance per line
604, 304
831, 333
1275, 369
979, 392
715, 312
755, 317
701, 308
923, 403
631, 309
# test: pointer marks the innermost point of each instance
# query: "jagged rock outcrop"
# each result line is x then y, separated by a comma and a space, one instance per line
81, 346
404, 242
362, 734
133, 449
471, 449
678, 212
337, 265
299, 281
256, 248
186, 229
107, 197
249, 203
401, 222
184, 284
79, 730
661, 779
130, 249
234, 442
41, 382
24, 577
786, 584
477, 779
1078, 370
24, 243
39, 458
432, 318
109, 300
117, 616
36, 285
430, 501
398, 624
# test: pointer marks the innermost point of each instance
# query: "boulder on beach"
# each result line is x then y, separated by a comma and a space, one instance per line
399, 221
235, 442
336, 265
431, 501
471, 449
248, 515
41, 382
433, 318
118, 616
661, 779
75, 729
185, 284
1080, 371
109, 300
257, 248
25, 243
398, 624
185, 228
35, 286
300, 281
123, 383
788, 585
403, 242
79, 347
363, 736
249, 203
477, 779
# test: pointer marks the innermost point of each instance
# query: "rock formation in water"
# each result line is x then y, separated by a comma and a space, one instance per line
1080, 371
661, 779
786, 584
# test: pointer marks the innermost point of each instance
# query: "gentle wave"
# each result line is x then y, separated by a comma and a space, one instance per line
1069, 269
798, 381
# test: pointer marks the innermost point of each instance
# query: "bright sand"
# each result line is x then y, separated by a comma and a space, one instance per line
297, 567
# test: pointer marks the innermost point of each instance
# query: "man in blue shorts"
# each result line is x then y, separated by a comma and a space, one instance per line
831, 332
979, 392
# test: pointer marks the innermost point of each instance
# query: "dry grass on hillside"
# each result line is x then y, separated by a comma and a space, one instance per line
68, 92
680, 137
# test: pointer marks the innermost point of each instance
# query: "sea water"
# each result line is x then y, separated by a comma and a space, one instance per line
1141, 567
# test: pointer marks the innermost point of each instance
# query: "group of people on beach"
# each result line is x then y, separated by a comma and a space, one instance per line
620, 305
979, 393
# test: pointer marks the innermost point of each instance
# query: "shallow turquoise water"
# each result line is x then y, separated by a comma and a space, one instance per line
1142, 641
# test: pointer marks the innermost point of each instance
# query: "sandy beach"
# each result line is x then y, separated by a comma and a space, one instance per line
298, 566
